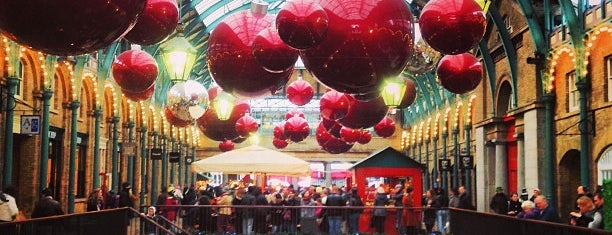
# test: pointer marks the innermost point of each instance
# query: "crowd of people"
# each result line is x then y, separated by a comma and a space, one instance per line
589, 207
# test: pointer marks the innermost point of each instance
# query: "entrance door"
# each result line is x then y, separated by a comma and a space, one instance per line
56, 135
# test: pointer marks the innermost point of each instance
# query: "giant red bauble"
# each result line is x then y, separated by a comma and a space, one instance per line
279, 131
272, 53
365, 137
220, 130
230, 59
67, 27
156, 22
139, 96
279, 143
364, 114
174, 120
302, 23
336, 146
226, 145
409, 95
452, 26
134, 70
331, 126
367, 42
213, 92
385, 128
322, 136
294, 113
246, 125
300, 92
350, 135
297, 129
459, 73
333, 105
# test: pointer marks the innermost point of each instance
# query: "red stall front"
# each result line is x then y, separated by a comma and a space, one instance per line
387, 167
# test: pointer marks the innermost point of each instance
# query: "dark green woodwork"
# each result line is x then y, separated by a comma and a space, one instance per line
154, 172
7, 175
164, 174
172, 165
434, 177
549, 160
455, 179
143, 164
427, 185
130, 167
96, 156
186, 169
180, 162
388, 157
444, 145
115, 156
74, 107
468, 146
44, 138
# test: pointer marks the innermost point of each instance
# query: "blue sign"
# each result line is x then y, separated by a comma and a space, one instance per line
30, 124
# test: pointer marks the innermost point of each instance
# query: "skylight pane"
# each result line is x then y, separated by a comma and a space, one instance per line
205, 5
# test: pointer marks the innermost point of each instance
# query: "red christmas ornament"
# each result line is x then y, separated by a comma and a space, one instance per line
349, 135
322, 135
336, 146
139, 96
366, 43
134, 70
220, 130
246, 125
279, 143
272, 53
302, 24
333, 105
365, 137
279, 131
297, 129
364, 114
66, 27
452, 26
300, 92
385, 128
459, 73
230, 59
226, 145
332, 127
175, 120
409, 95
294, 113
156, 22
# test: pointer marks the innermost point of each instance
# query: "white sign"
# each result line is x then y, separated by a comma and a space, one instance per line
30, 124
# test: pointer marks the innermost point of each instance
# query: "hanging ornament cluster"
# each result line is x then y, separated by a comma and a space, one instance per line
243, 66
366, 42
295, 128
221, 130
385, 128
156, 22
187, 101
246, 126
65, 27
135, 72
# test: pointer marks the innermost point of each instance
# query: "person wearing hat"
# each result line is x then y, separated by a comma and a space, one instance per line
125, 198
499, 202
169, 209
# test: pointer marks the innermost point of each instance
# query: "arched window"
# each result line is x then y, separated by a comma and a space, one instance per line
604, 166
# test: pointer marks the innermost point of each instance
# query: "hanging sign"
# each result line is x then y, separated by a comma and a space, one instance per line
444, 164
174, 157
467, 162
156, 154
30, 124
129, 149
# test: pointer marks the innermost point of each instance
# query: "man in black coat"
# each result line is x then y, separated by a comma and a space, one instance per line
47, 206
499, 202
465, 202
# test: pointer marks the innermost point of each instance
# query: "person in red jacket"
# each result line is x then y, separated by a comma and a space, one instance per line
169, 208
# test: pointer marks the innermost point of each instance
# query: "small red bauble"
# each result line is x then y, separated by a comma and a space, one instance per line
350, 135
230, 58
364, 114
272, 53
302, 24
220, 130
174, 120
365, 137
279, 143
294, 113
459, 73
297, 129
322, 135
279, 131
139, 96
67, 27
333, 105
246, 125
452, 26
156, 22
385, 128
366, 43
134, 70
409, 95
300, 92
226, 145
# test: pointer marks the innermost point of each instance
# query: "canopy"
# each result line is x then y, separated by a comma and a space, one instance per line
253, 159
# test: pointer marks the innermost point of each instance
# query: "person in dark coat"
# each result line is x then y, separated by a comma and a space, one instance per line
259, 218
499, 202
465, 202
47, 206
334, 216
125, 197
94, 201
237, 213
248, 213
547, 212
514, 206
379, 214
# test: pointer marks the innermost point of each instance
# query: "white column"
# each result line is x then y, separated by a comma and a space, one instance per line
328, 178
534, 149
520, 147
501, 165
482, 171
